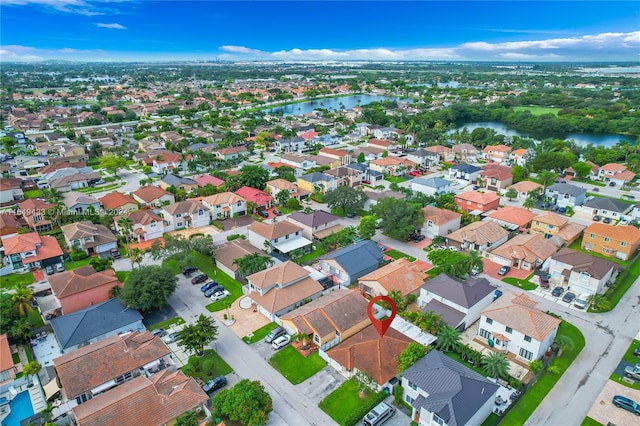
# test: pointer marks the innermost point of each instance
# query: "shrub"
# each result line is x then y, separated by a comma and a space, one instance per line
234, 237
78, 255
535, 366
357, 415
411, 298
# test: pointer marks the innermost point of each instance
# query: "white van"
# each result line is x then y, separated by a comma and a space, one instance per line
582, 301
379, 415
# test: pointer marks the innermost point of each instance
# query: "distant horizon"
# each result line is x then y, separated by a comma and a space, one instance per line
130, 31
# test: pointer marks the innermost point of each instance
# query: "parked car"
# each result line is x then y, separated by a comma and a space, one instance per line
49, 270
633, 371
597, 218
412, 236
544, 281
596, 189
189, 270
219, 295
100, 182
280, 342
418, 238
557, 292
612, 184
636, 351
198, 279
169, 338
211, 291
475, 271
263, 213
568, 297
452, 248
277, 212
59, 267
352, 215
208, 285
606, 220
497, 294
476, 187
159, 332
562, 210
115, 253
581, 302
626, 404
214, 384
274, 334
504, 270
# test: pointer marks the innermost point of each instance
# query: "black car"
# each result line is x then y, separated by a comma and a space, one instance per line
214, 384
418, 238
504, 270
568, 297
199, 279
208, 285
606, 220
557, 291
263, 213
189, 270
351, 215
216, 288
115, 253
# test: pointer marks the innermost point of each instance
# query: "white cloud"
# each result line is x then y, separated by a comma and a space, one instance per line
17, 53
241, 49
113, 26
81, 7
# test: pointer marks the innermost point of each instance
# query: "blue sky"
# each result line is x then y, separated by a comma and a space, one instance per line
129, 30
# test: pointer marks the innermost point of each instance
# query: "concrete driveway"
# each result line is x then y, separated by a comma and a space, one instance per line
605, 412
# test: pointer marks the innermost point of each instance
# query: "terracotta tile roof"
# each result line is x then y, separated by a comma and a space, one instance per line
255, 195
21, 243
9, 224
204, 180
227, 253
271, 231
439, 216
6, 361
79, 230
150, 193
231, 150
276, 165
628, 233
478, 197
153, 401
333, 152
278, 299
399, 275
551, 219
496, 148
116, 199
280, 274
515, 215
626, 175
143, 217
339, 310
31, 206
519, 313
282, 184
393, 161
440, 149
479, 233
186, 206
519, 152
570, 231
223, 198
613, 167
529, 248
525, 186
496, 171
371, 354
85, 368
81, 279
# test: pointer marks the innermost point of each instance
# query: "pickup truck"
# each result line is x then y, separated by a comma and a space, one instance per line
633, 371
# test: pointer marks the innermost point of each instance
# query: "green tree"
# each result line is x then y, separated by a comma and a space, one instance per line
563, 342
529, 203
137, 256
31, 369
511, 194
582, 169
345, 198
302, 338
451, 262
448, 339
293, 204
100, 264
599, 302
535, 366
174, 246
282, 197
496, 365
148, 288
367, 227
520, 173
361, 158
113, 163
125, 227
247, 403
546, 178
254, 176
475, 261
21, 298
194, 337
190, 418
410, 355
399, 217
252, 263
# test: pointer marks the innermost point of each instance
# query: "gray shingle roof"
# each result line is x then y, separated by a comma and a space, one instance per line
583, 262
177, 180
608, 204
463, 293
434, 182
455, 391
313, 219
467, 168
565, 188
357, 257
89, 323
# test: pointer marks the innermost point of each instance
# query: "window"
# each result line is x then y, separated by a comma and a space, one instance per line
87, 239
408, 399
412, 385
217, 206
201, 213
438, 420
550, 226
429, 224
153, 223
316, 338
297, 233
526, 354
623, 244
489, 321
286, 237
527, 338
485, 334
275, 241
179, 224
468, 203
607, 239
592, 236
584, 276
179, 215
509, 330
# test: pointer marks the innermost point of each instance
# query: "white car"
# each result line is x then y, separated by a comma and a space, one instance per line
219, 295
452, 248
281, 342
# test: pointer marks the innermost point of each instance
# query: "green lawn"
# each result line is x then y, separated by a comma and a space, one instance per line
294, 367
109, 187
345, 406
524, 284
588, 421
259, 334
15, 357
577, 245
537, 110
167, 323
207, 366
77, 263
307, 258
34, 193
35, 319
519, 414
398, 254
14, 280
622, 284
458, 359
395, 179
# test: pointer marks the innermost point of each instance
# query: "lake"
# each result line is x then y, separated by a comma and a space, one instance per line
343, 102
582, 139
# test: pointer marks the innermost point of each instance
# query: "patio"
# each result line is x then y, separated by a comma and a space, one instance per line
46, 349
247, 320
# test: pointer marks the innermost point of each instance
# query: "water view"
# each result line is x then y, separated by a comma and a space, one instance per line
582, 139
344, 102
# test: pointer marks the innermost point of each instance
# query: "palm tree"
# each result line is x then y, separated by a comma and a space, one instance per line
563, 342
599, 302
125, 226
114, 292
496, 365
398, 299
22, 299
252, 263
301, 337
529, 203
448, 339
430, 322
475, 261
136, 256
31, 369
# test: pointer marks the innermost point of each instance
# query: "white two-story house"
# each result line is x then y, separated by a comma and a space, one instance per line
580, 272
147, 225
282, 237
512, 323
225, 204
186, 214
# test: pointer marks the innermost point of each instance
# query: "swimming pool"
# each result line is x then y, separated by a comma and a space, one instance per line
21, 408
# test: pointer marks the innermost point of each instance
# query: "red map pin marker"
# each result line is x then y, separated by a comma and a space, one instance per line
381, 325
